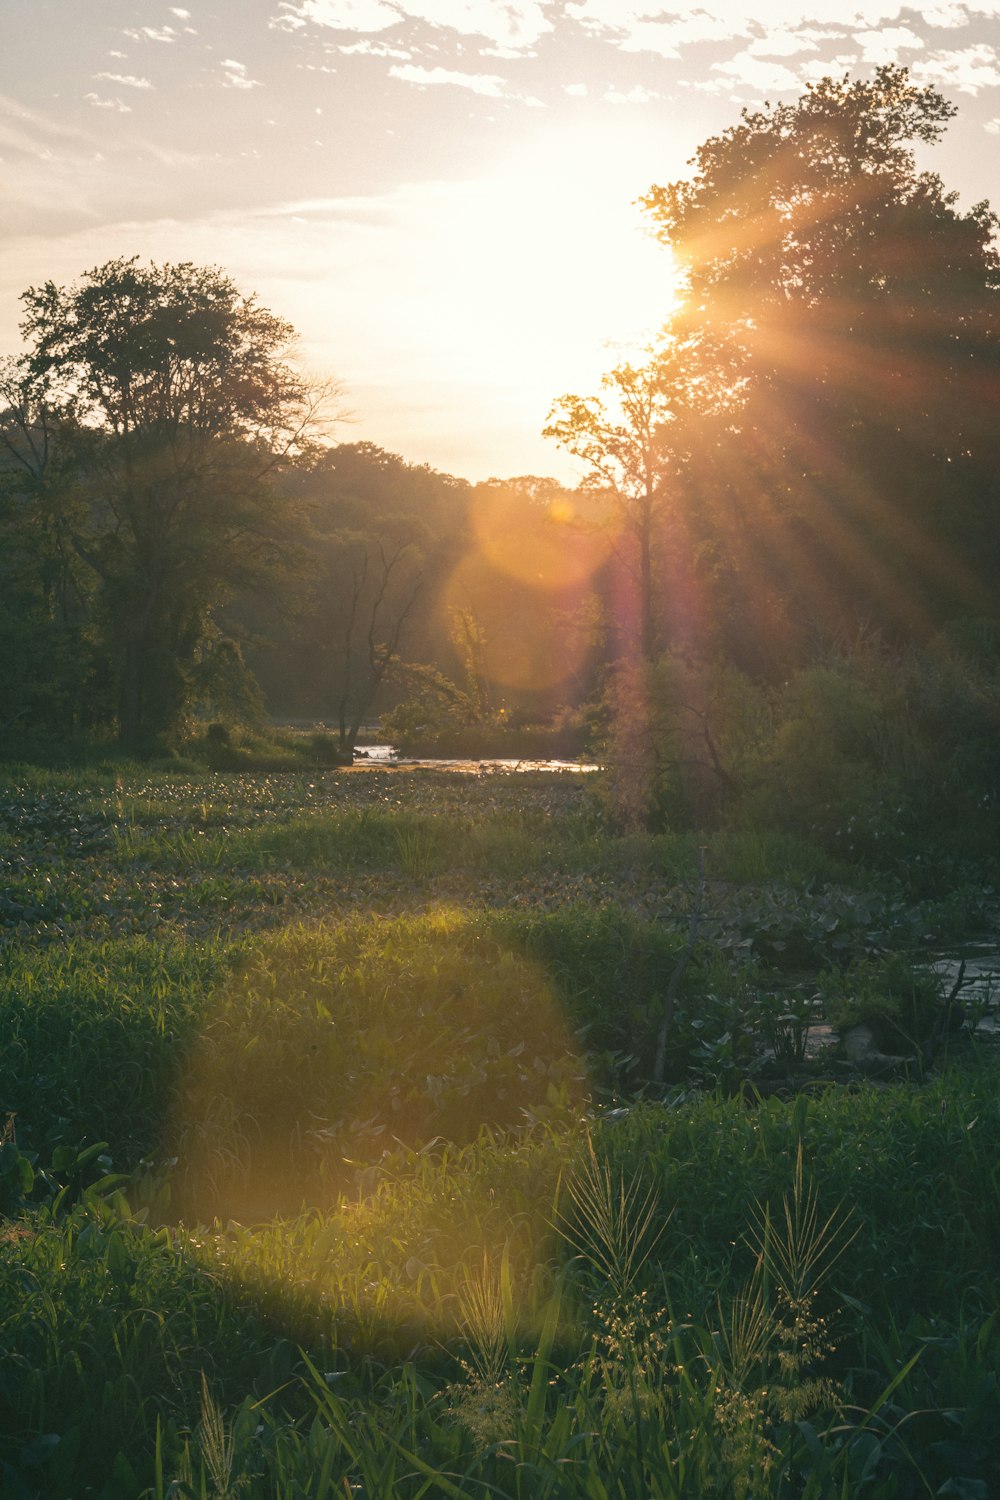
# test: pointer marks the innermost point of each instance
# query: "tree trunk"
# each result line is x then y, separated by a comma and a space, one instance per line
131, 696
647, 613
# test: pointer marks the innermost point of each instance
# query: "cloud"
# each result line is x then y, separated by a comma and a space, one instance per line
116, 104
757, 74
480, 83
992, 126
830, 67
340, 15
631, 25
945, 16
150, 34
235, 75
967, 69
365, 48
182, 15
782, 43
512, 28
636, 95
575, 90
663, 27
885, 44
30, 133
127, 79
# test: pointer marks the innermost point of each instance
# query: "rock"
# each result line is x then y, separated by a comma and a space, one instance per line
858, 1044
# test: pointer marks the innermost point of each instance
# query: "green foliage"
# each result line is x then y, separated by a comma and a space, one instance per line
495, 1283
327, 1047
901, 1001
865, 757
680, 734
95, 1037
167, 404
848, 478
840, 763
381, 535
434, 709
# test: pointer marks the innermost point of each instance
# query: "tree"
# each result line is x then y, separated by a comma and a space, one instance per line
622, 441
47, 687
858, 307
172, 406
385, 583
381, 536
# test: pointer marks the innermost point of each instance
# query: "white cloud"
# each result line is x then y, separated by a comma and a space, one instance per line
151, 34
182, 15
630, 25
757, 74
831, 67
512, 28
662, 26
781, 43
235, 75
945, 15
340, 15
128, 79
885, 44
365, 48
967, 69
479, 83
992, 126
515, 26
116, 104
575, 90
30, 133
636, 95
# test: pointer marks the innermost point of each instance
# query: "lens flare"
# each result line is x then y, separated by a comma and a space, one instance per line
534, 638
539, 536
335, 1046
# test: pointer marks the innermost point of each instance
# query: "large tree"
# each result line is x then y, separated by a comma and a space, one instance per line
632, 439
171, 406
382, 536
855, 477
46, 688
620, 436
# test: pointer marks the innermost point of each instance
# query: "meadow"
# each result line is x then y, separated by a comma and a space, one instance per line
333, 1161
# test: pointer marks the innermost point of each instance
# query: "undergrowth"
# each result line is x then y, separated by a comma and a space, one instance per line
330, 1163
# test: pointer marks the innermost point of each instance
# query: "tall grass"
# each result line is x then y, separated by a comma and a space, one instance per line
480, 1280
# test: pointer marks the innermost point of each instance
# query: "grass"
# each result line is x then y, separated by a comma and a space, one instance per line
329, 1165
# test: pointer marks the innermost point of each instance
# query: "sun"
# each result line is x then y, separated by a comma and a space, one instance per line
557, 269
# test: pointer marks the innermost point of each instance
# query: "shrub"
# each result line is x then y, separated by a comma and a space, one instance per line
899, 1000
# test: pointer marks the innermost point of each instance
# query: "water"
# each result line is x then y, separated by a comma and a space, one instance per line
979, 995
386, 755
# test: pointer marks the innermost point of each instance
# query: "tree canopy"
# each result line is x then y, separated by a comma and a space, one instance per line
171, 405
835, 462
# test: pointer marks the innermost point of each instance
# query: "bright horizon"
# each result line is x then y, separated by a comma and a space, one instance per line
438, 194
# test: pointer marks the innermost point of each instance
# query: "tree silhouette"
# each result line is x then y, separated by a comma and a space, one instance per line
172, 405
858, 307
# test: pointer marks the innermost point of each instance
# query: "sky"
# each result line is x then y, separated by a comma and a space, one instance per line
440, 195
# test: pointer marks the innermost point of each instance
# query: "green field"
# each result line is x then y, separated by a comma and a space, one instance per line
333, 1163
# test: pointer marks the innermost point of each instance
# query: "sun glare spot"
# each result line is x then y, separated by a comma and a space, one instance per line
337, 1047
537, 541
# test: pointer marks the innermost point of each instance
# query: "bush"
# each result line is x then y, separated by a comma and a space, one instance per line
899, 1000
680, 735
